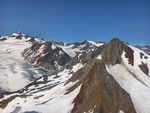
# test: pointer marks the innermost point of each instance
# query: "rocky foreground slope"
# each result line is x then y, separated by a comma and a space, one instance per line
110, 77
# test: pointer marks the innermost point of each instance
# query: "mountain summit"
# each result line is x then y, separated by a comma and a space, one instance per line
86, 77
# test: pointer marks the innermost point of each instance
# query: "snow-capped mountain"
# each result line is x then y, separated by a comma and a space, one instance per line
14, 70
110, 77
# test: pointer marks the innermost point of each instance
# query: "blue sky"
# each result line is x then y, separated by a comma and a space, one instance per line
78, 20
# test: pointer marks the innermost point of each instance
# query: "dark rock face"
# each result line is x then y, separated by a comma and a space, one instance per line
19, 37
43, 55
144, 68
141, 55
129, 54
112, 52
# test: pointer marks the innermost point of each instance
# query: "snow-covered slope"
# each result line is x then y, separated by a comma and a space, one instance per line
15, 72
133, 79
46, 95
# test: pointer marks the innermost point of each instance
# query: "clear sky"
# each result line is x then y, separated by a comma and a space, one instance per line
78, 20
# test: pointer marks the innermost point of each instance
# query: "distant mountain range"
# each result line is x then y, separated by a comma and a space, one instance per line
145, 48
41, 76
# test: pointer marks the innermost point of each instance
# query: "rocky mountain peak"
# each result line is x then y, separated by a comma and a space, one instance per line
112, 52
99, 89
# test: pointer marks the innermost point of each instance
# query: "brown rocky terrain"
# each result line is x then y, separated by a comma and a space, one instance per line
43, 55
99, 91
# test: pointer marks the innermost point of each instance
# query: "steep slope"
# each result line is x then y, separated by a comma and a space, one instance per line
100, 92
128, 66
46, 55
133, 75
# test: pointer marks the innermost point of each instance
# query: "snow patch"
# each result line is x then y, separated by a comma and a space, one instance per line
57, 65
68, 49
99, 57
91, 110
120, 111
96, 44
53, 46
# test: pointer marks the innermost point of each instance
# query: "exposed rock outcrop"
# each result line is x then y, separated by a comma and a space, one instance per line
129, 54
112, 52
46, 55
144, 68
99, 93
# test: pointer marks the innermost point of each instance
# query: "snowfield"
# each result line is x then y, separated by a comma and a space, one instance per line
15, 72
57, 99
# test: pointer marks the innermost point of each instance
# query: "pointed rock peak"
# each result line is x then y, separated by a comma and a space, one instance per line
115, 40
113, 51
98, 90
